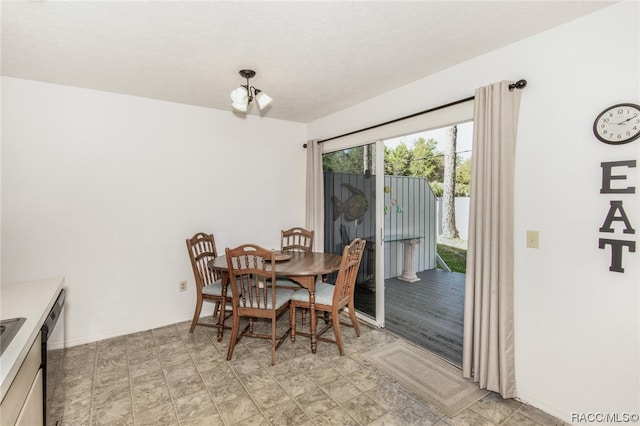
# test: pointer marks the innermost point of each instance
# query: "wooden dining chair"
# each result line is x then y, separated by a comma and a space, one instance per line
202, 249
297, 239
333, 298
294, 239
255, 294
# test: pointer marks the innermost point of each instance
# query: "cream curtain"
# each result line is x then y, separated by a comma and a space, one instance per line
315, 194
488, 346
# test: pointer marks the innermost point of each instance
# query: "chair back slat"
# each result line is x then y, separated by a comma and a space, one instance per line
297, 239
252, 276
202, 249
346, 280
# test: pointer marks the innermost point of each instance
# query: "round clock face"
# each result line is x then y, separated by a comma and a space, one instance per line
618, 124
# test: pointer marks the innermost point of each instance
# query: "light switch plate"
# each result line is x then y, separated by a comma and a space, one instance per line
533, 239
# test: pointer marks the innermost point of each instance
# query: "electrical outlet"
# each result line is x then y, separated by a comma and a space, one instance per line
182, 286
533, 239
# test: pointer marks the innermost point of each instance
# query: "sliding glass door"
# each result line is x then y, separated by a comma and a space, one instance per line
350, 188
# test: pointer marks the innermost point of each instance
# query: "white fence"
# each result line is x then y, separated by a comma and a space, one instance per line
462, 216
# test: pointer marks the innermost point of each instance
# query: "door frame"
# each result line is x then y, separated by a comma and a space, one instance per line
376, 135
378, 319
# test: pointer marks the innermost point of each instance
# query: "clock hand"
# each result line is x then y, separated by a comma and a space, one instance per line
628, 119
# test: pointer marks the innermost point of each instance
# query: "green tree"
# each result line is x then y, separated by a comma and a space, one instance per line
437, 189
397, 161
346, 161
463, 177
421, 159
426, 161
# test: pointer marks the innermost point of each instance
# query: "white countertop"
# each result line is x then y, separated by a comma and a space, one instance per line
32, 300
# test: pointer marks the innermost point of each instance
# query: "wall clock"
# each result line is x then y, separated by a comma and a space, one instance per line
618, 124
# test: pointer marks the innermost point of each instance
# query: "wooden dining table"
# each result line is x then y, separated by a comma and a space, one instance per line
301, 267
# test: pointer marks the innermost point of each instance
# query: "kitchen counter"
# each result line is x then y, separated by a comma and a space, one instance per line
32, 300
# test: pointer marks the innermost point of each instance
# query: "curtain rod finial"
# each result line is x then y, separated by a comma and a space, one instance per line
520, 84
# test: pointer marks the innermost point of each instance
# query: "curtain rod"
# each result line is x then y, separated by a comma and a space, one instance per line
520, 84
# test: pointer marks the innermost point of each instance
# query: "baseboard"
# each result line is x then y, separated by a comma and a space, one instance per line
123, 331
544, 406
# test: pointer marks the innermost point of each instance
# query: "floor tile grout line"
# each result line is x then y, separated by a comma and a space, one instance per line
173, 400
212, 343
131, 378
361, 393
339, 404
133, 407
509, 416
93, 384
319, 387
293, 398
164, 373
518, 410
262, 411
242, 383
162, 369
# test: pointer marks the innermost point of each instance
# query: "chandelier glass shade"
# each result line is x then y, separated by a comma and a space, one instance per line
242, 96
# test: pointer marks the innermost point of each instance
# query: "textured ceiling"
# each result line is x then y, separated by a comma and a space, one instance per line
314, 58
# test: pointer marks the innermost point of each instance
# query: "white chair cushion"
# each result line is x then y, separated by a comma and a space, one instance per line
282, 296
214, 289
282, 281
324, 294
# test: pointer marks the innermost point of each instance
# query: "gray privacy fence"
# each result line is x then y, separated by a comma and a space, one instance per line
410, 211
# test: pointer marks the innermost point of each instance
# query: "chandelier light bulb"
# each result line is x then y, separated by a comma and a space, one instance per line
240, 99
263, 100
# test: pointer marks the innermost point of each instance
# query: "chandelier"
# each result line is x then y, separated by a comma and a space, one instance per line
242, 97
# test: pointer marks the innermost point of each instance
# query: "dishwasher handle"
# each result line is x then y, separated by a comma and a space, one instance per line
53, 316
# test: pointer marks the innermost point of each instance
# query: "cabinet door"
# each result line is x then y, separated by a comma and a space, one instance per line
13, 401
31, 413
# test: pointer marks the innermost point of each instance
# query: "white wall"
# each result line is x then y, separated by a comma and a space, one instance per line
104, 189
577, 325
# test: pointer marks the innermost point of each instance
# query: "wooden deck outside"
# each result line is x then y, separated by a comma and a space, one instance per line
428, 312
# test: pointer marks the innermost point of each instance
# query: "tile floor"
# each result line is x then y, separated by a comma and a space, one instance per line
167, 376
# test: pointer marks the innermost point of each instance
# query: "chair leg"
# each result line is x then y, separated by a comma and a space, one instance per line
222, 307
335, 317
292, 322
196, 314
273, 341
234, 335
354, 321
303, 315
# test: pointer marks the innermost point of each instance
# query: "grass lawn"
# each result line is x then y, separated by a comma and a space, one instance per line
454, 257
